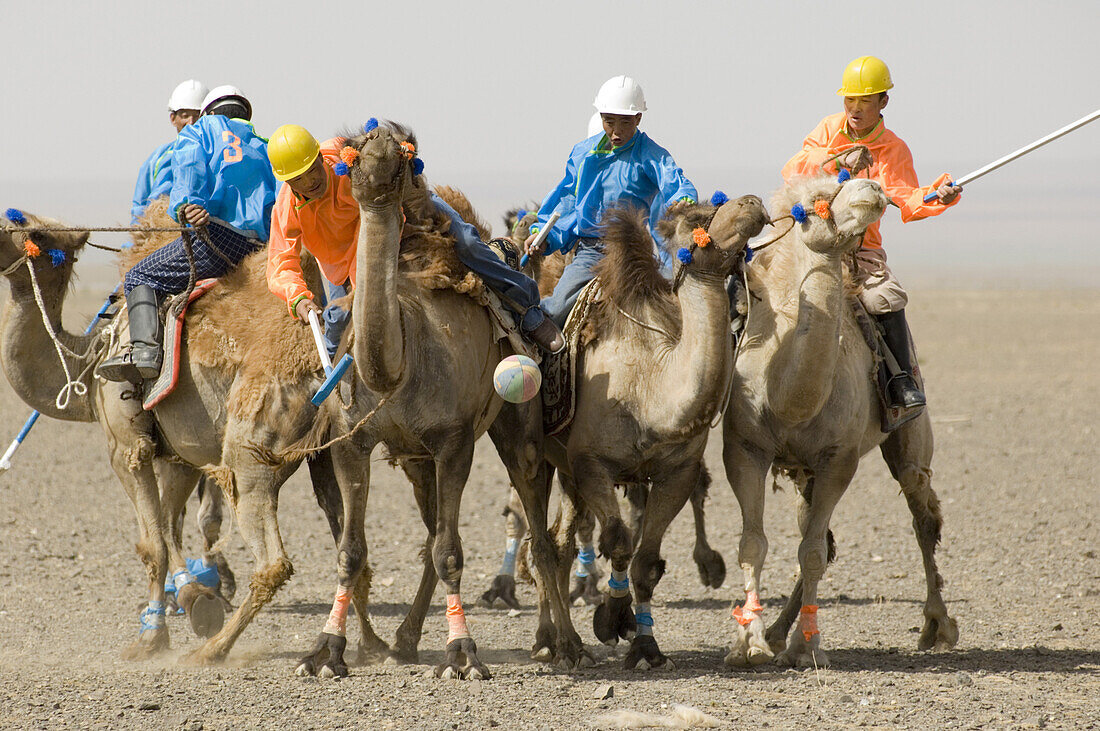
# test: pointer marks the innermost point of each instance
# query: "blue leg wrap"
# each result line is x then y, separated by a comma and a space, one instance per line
619, 583
643, 618
586, 559
508, 566
205, 575
152, 617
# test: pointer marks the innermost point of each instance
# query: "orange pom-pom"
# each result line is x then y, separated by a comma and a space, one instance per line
31, 248
821, 208
349, 155
409, 148
700, 237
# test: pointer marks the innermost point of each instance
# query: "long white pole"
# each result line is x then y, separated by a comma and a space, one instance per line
971, 177
542, 234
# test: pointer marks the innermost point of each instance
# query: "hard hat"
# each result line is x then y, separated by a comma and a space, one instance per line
225, 93
866, 75
188, 95
620, 95
595, 125
292, 149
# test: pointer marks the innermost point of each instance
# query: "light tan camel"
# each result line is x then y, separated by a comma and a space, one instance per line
246, 376
650, 382
425, 353
803, 400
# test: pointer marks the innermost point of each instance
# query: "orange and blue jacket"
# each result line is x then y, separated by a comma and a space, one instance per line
892, 169
328, 227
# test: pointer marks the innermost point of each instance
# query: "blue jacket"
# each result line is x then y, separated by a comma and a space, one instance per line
154, 179
221, 164
641, 173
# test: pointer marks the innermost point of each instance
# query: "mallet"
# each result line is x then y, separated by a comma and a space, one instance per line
332, 375
5, 461
1019, 153
540, 237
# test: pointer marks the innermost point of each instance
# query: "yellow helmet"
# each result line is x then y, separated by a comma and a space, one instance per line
292, 149
866, 75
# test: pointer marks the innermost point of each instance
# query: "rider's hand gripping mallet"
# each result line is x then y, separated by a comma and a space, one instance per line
540, 237
332, 375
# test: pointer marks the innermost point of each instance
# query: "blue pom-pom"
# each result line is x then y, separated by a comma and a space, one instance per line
844, 176
371, 125
520, 214
418, 166
749, 253
684, 255
718, 198
15, 216
340, 168
798, 212
57, 256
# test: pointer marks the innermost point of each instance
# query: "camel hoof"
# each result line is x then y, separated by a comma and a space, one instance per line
736, 659
149, 644
614, 619
585, 591
372, 654
759, 656
303, 671
644, 654
543, 654
202, 658
326, 658
587, 661
461, 661
712, 568
450, 673
203, 607
327, 672
501, 594
939, 634
475, 674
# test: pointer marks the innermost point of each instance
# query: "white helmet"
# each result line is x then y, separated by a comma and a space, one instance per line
225, 93
620, 95
188, 95
595, 125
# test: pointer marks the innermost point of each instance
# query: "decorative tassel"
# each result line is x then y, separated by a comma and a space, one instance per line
684, 255
409, 148
718, 198
31, 248
821, 208
418, 166
798, 213
15, 216
700, 237
340, 168
749, 253
370, 126
349, 154
520, 215
844, 176
57, 256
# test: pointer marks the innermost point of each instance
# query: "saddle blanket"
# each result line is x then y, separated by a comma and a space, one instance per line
559, 372
156, 391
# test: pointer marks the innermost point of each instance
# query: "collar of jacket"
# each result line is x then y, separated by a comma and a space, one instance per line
614, 150
868, 138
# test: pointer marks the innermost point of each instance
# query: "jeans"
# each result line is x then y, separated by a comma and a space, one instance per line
334, 318
578, 273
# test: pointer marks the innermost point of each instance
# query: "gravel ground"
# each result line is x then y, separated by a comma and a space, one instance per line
1014, 392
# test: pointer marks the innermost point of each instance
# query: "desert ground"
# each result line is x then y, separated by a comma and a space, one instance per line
1013, 390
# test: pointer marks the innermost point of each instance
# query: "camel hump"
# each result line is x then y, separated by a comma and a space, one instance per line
629, 272
457, 200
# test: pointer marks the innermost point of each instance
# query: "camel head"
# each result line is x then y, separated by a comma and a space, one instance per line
52, 253
830, 215
710, 238
382, 163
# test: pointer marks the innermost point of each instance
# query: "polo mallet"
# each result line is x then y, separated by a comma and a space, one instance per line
5, 461
540, 237
1018, 153
332, 375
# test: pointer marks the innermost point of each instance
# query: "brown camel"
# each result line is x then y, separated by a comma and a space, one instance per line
246, 376
424, 352
803, 400
650, 382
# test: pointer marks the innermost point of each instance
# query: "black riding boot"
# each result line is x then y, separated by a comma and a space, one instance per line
142, 360
737, 322
902, 390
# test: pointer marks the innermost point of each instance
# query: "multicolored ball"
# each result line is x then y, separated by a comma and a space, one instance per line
517, 379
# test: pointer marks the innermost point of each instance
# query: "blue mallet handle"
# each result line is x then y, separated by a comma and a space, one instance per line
933, 195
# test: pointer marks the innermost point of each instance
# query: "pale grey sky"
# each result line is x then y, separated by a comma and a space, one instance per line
499, 91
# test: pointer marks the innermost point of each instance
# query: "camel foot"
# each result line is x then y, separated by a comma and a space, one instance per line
572, 654
585, 590
326, 658
750, 648
203, 607
803, 654
939, 634
644, 654
461, 662
501, 595
149, 643
776, 637
614, 618
372, 652
227, 582
403, 654
205, 656
712, 567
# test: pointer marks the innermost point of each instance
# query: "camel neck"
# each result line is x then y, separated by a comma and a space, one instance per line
379, 339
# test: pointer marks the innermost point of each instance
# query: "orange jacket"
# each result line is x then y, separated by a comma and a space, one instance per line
328, 227
893, 169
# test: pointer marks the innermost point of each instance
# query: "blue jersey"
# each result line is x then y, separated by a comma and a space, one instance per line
221, 164
154, 179
641, 173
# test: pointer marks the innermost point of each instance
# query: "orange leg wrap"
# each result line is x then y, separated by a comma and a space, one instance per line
456, 619
747, 613
807, 621
338, 617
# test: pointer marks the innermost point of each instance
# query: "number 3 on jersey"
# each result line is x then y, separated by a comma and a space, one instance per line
233, 153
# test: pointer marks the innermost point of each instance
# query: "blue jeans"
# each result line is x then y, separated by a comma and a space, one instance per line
334, 318
577, 274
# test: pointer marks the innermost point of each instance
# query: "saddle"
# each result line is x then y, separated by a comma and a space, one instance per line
891, 417
559, 372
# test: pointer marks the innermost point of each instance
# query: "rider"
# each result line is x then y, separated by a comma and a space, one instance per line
859, 133
621, 166
155, 176
315, 209
223, 186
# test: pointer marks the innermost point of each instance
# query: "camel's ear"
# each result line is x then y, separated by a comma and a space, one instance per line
667, 226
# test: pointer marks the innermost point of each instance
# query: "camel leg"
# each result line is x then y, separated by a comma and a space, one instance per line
666, 499
351, 460
453, 456
829, 484
637, 495
210, 516
712, 567
503, 589
908, 452
586, 579
614, 618
563, 533
422, 475
747, 471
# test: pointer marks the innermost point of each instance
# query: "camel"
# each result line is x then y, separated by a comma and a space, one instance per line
651, 379
424, 352
803, 401
247, 374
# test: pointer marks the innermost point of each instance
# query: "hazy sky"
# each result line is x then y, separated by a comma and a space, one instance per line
498, 92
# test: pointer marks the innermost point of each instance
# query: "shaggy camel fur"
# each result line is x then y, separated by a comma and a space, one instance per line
650, 381
246, 377
424, 354
803, 400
